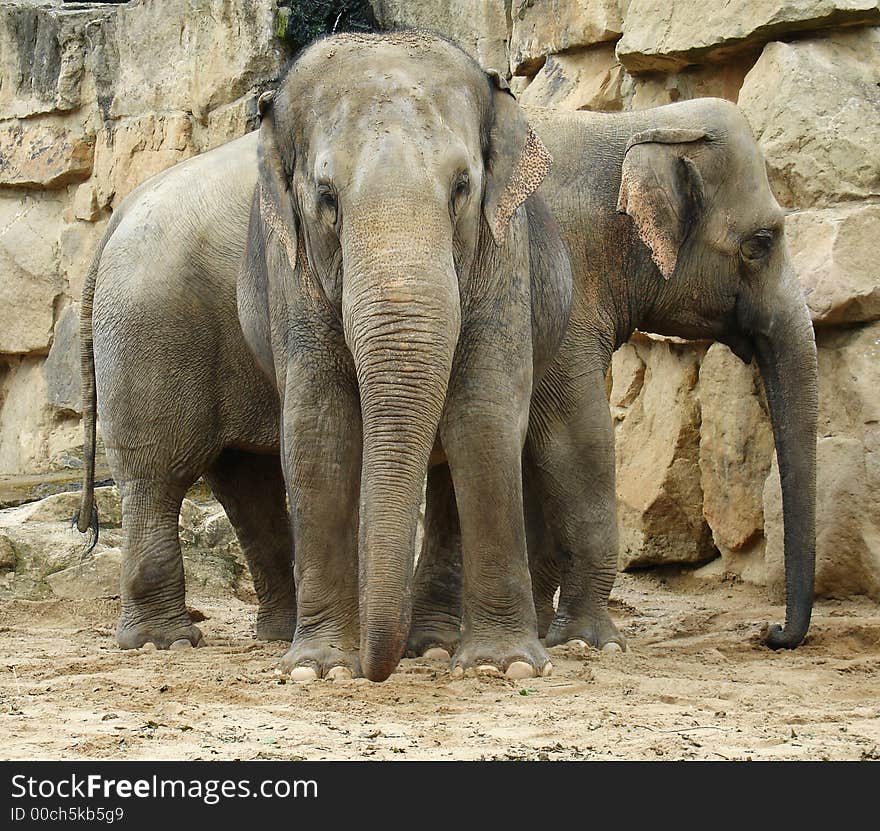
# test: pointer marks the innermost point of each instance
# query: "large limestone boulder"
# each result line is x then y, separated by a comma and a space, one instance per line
835, 252
653, 89
44, 543
627, 378
34, 435
131, 151
48, 52
228, 122
95, 577
815, 108
43, 154
29, 271
659, 35
659, 498
583, 79
478, 26
62, 367
77, 244
545, 27
192, 55
736, 449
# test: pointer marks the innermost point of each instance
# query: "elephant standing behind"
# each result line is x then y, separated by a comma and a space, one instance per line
672, 228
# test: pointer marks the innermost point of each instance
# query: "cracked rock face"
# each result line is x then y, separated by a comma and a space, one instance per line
94, 99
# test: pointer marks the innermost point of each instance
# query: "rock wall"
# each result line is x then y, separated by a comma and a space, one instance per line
95, 98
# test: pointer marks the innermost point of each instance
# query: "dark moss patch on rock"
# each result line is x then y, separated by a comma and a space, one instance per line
301, 21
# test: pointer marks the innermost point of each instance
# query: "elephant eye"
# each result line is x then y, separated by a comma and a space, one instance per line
461, 187
758, 245
327, 201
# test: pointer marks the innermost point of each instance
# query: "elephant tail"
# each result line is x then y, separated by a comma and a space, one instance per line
86, 519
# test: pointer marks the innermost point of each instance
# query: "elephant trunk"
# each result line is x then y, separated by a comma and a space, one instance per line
786, 353
401, 326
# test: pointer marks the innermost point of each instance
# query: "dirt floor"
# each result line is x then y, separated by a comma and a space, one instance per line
695, 684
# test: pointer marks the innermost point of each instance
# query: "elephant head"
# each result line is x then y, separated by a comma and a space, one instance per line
701, 202
388, 167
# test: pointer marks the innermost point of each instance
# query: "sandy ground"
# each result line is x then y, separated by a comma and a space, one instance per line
695, 684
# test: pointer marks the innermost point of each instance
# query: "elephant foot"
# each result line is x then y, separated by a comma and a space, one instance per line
523, 658
433, 640
306, 662
275, 624
133, 633
597, 631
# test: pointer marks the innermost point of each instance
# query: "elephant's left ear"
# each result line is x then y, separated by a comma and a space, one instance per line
661, 190
518, 161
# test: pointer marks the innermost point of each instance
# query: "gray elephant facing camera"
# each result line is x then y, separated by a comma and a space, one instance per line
402, 292
386, 289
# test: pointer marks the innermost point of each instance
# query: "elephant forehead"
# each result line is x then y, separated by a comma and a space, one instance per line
395, 97
414, 77
356, 135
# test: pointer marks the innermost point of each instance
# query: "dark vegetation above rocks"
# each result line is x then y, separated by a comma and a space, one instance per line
301, 21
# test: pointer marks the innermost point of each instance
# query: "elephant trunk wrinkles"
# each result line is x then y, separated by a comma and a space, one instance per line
402, 329
787, 359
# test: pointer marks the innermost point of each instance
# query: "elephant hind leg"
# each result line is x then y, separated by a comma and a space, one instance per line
543, 561
571, 451
152, 582
436, 620
251, 489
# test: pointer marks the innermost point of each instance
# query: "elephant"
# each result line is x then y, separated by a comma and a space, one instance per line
672, 229
313, 316
405, 298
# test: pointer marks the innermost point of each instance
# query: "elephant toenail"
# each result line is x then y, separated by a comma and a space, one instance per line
303, 675
519, 670
458, 672
611, 646
339, 673
578, 643
489, 669
181, 643
436, 653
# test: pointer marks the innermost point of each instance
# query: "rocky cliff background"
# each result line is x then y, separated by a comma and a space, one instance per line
96, 97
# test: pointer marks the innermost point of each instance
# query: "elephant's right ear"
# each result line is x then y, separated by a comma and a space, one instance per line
275, 198
661, 189
271, 245
252, 293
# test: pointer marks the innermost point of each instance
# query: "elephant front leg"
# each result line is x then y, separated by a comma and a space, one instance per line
570, 449
321, 456
499, 629
435, 631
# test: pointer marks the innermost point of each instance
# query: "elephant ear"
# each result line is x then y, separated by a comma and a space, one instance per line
275, 198
518, 161
252, 294
271, 244
661, 190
